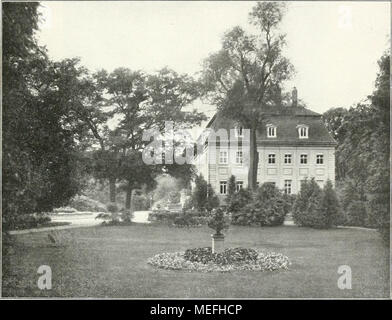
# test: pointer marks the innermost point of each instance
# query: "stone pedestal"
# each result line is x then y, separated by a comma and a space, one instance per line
217, 243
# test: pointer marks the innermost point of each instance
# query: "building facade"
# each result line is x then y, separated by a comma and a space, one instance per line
293, 144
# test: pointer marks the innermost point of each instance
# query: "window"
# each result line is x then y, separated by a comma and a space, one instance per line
303, 159
271, 158
238, 157
223, 157
302, 131
287, 158
239, 185
238, 132
271, 131
223, 187
319, 159
163, 156
287, 186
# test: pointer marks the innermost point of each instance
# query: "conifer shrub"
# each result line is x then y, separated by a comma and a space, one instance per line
315, 207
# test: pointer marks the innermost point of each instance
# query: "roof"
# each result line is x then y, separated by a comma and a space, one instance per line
286, 120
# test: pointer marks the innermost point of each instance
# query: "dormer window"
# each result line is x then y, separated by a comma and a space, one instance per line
271, 131
239, 132
303, 131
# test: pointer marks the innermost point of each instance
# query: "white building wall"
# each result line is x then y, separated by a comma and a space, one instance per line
278, 172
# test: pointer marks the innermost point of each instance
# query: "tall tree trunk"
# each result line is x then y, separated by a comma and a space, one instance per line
112, 189
253, 159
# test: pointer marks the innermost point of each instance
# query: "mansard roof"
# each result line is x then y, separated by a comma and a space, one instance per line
286, 120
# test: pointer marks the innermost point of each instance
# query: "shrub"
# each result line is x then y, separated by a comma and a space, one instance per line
306, 210
199, 195
64, 210
330, 206
83, 203
231, 189
162, 215
126, 215
239, 200
218, 220
212, 199
289, 200
356, 214
141, 202
185, 221
112, 207
267, 208
28, 221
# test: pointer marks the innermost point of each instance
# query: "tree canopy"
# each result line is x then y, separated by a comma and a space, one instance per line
246, 75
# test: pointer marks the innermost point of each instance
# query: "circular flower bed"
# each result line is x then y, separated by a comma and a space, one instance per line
233, 259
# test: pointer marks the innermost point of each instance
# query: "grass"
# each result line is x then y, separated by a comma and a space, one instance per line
111, 262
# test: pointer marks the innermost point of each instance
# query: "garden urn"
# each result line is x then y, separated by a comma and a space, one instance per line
217, 242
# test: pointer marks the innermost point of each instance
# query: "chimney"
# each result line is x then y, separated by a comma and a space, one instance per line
294, 98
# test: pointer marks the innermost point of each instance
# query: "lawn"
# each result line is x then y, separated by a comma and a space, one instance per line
111, 262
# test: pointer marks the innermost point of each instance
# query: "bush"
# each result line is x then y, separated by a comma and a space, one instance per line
186, 218
289, 200
140, 202
218, 220
231, 189
239, 200
355, 214
185, 221
126, 215
268, 207
64, 210
112, 207
28, 221
83, 203
330, 206
316, 208
162, 215
212, 199
199, 195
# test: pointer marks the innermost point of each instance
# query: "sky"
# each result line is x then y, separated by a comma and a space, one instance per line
334, 46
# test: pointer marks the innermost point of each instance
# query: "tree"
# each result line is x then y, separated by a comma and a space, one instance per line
334, 119
212, 198
362, 154
244, 78
378, 183
142, 102
42, 162
330, 206
231, 188
199, 195
306, 209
